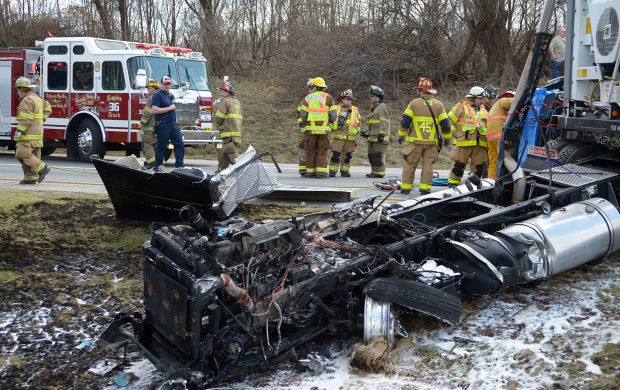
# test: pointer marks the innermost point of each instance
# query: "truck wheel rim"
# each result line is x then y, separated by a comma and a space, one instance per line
85, 141
378, 320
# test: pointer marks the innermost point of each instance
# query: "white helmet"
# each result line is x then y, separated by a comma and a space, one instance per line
476, 92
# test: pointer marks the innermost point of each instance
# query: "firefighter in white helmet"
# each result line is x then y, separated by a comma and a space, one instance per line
228, 117
149, 138
317, 114
468, 122
31, 113
344, 134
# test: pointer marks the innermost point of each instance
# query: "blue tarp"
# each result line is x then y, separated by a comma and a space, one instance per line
531, 125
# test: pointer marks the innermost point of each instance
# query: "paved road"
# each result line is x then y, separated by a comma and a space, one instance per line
75, 176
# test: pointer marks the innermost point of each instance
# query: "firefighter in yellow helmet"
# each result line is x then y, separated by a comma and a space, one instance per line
31, 113
344, 134
378, 132
468, 122
317, 114
495, 126
302, 142
149, 138
423, 120
228, 117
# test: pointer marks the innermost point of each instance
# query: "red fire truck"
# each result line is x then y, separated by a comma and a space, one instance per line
97, 90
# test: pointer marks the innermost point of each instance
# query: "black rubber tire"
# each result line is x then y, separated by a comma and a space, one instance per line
168, 154
47, 150
575, 151
417, 296
87, 141
558, 144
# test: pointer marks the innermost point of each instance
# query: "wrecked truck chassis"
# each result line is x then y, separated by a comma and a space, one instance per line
215, 302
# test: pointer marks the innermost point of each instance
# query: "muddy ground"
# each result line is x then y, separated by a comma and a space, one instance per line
67, 265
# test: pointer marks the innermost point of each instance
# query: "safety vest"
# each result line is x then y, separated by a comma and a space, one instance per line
423, 129
148, 118
315, 104
470, 126
351, 128
30, 118
497, 118
228, 118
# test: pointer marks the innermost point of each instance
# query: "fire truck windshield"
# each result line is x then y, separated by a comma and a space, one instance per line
156, 68
194, 72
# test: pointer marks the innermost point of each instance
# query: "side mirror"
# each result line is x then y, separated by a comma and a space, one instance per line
141, 79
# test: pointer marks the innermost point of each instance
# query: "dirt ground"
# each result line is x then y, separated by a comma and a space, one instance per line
67, 266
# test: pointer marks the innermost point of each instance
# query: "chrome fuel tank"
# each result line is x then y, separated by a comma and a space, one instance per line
566, 238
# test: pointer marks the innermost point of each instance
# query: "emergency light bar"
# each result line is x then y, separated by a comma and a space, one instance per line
157, 51
195, 54
170, 49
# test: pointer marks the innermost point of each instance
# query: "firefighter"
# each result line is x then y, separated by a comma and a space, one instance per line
490, 94
149, 139
228, 119
317, 113
344, 134
378, 131
304, 137
495, 126
31, 113
419, 129
468, 122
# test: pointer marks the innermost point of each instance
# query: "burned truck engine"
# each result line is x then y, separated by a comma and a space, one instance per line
242, 293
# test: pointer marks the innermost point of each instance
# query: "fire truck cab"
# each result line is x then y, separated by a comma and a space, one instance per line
97, 90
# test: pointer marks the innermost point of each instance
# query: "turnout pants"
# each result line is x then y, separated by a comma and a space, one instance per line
492, 150
413, 153
375, 157
227, 154
461, 155
304, 153
316, 160
342, 150
168, 132
149, 140
30, 158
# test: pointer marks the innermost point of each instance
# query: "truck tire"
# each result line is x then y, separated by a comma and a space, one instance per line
167, 154
576, 151
558, 144
417, 296
86, 141
47, 150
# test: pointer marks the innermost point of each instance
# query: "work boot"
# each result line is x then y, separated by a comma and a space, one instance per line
345, 174
303, 174
321, 176
374, 175
27, 182
405, 192
148, 165
46, 169
424, 192
332, 174
160, 169
452, 185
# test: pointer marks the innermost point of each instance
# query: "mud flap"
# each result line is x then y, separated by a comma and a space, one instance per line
417, 296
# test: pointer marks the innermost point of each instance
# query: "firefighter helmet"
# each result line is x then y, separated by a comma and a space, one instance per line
509, 94
23, 82
152, 83
317, 82
426, 85
346, 94
376, 91
491, 91
228, 87
476, 92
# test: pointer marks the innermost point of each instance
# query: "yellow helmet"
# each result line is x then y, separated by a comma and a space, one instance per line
153, 84
318, 82
23, 82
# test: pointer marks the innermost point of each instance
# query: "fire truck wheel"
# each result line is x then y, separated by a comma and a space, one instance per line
47, 150
87, 141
